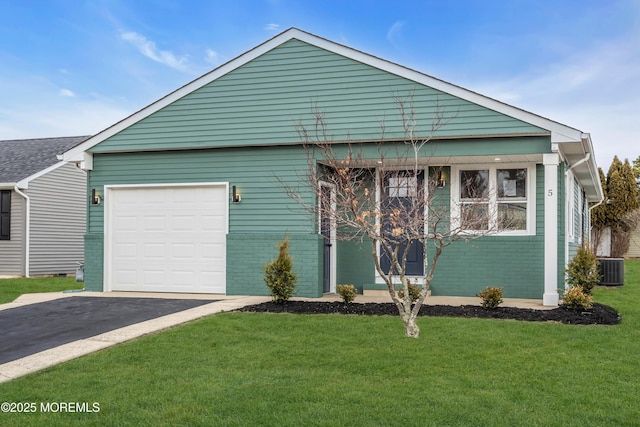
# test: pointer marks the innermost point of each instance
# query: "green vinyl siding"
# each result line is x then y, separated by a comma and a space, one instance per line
264, 217
258, 104
259, 174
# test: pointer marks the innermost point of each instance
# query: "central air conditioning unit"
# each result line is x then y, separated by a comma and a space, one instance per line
611, 271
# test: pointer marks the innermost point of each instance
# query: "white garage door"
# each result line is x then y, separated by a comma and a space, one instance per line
167, 239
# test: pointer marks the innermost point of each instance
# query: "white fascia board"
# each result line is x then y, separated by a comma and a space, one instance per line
589, 165
559, 132
7, 185
587, 145
24, 183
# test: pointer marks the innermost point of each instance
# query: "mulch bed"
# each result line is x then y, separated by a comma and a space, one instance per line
598, 315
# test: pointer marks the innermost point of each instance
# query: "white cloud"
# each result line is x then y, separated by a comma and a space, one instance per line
66, 93
149, 49
272, 27
42, 121
394, 32
595, 90
211, 56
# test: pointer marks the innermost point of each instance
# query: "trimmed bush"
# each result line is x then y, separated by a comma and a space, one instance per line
347, 293
577, 299
582, 270
279, 275
491, 297
414, 292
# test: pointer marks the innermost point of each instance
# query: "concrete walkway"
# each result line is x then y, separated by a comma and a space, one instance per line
72, 350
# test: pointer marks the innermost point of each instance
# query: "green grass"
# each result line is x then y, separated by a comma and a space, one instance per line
10, 289
239, 369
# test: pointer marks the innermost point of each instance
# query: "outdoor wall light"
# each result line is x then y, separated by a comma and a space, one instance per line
440, 182
96, 197
235, 197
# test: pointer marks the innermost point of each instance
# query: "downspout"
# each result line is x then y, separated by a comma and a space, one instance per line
566, 174
27, 230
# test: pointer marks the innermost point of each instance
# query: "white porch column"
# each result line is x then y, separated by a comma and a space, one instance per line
551, 162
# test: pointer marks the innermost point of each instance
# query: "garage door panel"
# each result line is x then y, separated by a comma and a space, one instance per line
168, 239
126, 277
154, 223
186, 251
126, 223
126, 250
154, 251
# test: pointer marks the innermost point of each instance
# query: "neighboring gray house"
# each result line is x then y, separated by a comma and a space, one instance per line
42, 207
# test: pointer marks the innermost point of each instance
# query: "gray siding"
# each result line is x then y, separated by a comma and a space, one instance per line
58, 218
634, 245
12, 251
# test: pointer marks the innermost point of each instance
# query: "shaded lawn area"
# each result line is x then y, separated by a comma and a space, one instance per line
10, 289
284, 369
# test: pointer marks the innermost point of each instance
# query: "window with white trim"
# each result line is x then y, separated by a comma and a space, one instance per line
474, 199
499, 198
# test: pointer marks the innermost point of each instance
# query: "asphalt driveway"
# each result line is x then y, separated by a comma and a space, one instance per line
36, 327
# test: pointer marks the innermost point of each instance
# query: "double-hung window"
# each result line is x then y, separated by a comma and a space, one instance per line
495, 199
512, 199
474, 199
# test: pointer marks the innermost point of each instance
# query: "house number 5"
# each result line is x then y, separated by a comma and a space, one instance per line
550, 193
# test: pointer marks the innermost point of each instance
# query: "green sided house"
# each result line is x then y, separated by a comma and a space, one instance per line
187, 194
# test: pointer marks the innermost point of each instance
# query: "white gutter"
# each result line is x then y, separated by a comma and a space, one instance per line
27, 231
578, 163
596, 205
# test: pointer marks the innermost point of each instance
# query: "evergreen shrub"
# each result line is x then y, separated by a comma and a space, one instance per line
279, 275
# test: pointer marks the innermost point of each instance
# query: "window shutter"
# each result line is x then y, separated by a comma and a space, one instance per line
5, 214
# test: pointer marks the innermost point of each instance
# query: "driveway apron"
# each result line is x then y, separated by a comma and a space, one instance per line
37, 327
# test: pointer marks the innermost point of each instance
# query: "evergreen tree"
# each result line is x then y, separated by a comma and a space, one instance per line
616, 205
621, 195
636, 174
636, 168
631, 187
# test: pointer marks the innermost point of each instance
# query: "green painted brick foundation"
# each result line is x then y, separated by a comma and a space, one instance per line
93, 262
247, 253
514, 263
355, 264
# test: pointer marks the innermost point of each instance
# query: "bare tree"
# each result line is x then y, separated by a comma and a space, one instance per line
390, 195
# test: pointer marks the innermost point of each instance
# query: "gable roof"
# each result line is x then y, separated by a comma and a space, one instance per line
575, 141
23, 158
559, 132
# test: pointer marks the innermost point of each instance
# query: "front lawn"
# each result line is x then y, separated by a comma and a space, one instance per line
10, 289
283, 369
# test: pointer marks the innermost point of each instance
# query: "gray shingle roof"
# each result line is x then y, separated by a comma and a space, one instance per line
21, 158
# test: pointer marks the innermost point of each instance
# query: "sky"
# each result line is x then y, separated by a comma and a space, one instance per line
75, 67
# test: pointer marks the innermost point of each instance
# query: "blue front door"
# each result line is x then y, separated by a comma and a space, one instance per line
399, 189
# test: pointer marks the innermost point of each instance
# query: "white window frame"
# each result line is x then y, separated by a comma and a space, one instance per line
493, 203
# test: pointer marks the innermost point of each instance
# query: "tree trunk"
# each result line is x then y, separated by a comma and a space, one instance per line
411, 328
